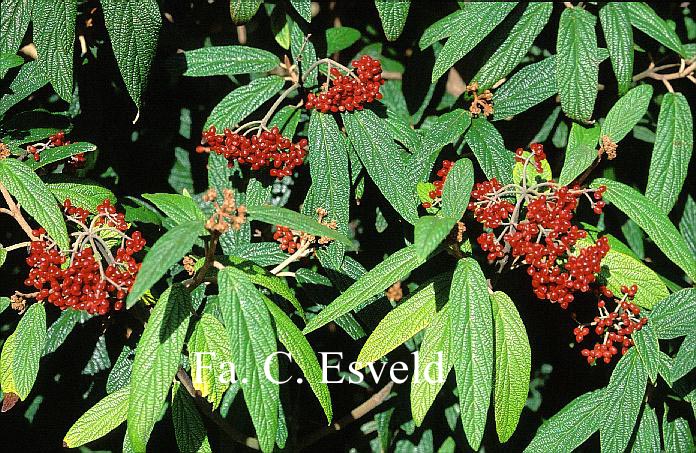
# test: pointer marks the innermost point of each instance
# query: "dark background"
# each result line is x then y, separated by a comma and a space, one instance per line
142, 156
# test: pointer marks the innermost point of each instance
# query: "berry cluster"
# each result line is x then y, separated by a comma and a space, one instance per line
293, 240
84, 283
538, 154
289, 240
616, 327
55, 140
269, 148
537, 230
436, 194
348, 92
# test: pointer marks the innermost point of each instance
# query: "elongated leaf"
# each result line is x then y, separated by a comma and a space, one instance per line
488, 147
443, 28
526, 88
9, 61
156, 362
179, 208
253, 343
685, 360
166, 252
648, 436
54, 36
340, 38
577, 69
228, 60
516, 44
7, 372
513, 363
430, 231
622, 400
675, 316
457, 187
644, 18
620, 269
99, 420
330, 189
86, 196
188, 425
581, 152
471, 344
677, 435
382, 276
133, 27
570, 427
243, 10
282, 216
15, 16
58, 153
687, 224
644, 212
35, 198
410, 317
482, 18
120, 374
241, 102
303, 8
648, 349
393, 14
619, 37
435, 349
180, 177
30, 338
626, 113
209, 339
377, 151
674, 144
29, 79
303, 354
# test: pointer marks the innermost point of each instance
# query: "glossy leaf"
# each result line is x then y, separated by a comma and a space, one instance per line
675, 315
189, 430
626, 113
209, 346
242, 11
644, 18
54, 36
619, 37
580, 153
393, 14
86, 196
488, 147
648, 435
179, 208
99, 420
237, 105
228, 60
528, 87
15, 16
340, 38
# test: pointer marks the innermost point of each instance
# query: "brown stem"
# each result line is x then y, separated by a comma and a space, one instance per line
209, 260
686, 70
16, 213
374, 401
299, 253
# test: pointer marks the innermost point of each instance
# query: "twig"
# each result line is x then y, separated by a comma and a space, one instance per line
686, 70
17, 246
209, 259
299, 253
15, 212
374, 401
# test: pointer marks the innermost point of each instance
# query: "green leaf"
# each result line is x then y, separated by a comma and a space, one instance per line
656, 224
58, 153
620, 269
619, 37
532, 175
86, 196
9, 61
685, 360
180, 177
674, 143
644, 18
209, 339
570, 427
626, 113
516, 44
308, 56
252, 341
99, 420
156, 362
29, 79
275, 215
330, 189
581, 152
133, 27
488, 147
687, 224
471, 342
15, 16
241, 102
457, 187
340, 38
35, 198
302, 352
381, 277
377, 151
393, 14
677, 435
3, 257
448, 128
61, 328
29, 340
648, 349
6, 367
303, 8
513, 363
188, 425
179, 208
577, 68
634, 238
648, 435
482, 18
546, 128
430, 231
443, 28
242, 11
228, 60
675, 316
54, 36
120, 374
286, 120
167, 251
526, 88
407, 319
434, 348
622, 400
